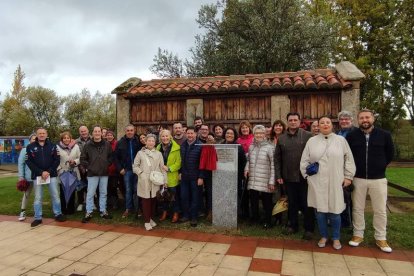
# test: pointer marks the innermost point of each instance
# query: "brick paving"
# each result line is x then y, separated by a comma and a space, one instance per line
72, 248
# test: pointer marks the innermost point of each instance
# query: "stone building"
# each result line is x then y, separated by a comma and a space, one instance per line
259, 98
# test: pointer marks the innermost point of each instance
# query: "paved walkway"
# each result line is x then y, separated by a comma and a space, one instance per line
73, 248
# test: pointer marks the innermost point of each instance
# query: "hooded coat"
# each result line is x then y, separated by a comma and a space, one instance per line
173, 163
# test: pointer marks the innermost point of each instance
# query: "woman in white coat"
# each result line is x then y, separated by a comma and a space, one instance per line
336, 170
69, 153
148, 159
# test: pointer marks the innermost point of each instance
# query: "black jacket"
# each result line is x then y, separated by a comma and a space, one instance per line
42, 158
96, 157
125, 152
372, 157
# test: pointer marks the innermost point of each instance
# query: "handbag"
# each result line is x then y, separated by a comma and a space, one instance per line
156, 177
313, 168
163, 195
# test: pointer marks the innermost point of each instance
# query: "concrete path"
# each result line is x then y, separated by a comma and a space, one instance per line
73, 248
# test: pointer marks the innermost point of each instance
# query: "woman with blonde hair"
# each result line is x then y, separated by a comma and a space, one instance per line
148, 159
170, 151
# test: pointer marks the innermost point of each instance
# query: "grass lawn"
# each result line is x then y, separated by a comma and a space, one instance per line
401, 176
401, 226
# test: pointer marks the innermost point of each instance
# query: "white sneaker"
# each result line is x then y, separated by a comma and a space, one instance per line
148, 226
22, 215
383, 245
355, 241
153, 224
80, 208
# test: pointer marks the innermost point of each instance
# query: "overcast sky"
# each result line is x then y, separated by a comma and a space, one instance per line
96, 44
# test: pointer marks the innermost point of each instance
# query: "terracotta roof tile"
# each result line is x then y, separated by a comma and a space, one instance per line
276, 83
287, 82
298, 83
265, 84
320, 79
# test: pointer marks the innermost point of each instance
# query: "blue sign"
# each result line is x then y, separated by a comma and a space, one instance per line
10, 149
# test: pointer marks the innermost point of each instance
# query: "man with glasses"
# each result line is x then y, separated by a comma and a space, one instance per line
345, 127
203, 133
345, 123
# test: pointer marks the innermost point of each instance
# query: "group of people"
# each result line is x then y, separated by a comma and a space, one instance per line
349, 164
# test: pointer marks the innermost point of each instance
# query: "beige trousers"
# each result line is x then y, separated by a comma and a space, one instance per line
377, 190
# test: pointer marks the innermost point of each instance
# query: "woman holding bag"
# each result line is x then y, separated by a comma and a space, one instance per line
172, 163
336, 170
147, 161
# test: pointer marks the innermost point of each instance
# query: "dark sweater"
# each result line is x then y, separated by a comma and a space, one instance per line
372, 158
42, 158
288, 153
96, 157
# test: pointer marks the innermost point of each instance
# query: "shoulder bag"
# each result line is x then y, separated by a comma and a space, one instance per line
156, 177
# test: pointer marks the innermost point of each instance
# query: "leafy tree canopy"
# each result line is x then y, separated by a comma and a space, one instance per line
253, 36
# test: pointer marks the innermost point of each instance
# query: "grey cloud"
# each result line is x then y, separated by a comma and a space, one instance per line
96, 38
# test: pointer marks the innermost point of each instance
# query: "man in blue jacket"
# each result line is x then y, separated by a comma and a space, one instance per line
43, 160
125, 152
191, 177
373, 150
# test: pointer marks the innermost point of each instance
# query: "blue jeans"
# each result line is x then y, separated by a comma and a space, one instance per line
189, 198
131, 198
335, 220
173, 205
93, 182
54, 195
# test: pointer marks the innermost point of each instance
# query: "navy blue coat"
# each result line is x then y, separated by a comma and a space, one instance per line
42, 158
190, 161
